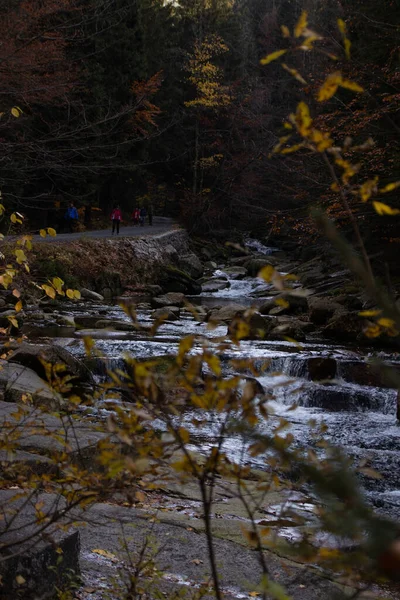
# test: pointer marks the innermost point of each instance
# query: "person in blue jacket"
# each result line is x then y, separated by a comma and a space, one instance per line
71, 216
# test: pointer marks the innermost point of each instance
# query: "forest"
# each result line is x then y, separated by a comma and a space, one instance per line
169, 102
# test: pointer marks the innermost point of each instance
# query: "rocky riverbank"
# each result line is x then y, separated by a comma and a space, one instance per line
177, 270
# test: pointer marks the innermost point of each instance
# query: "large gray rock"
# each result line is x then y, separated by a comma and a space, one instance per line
86, 321
34, 356
292, 304
114, 324
32, 565
90, 295
250, 326
18, 382
254, 266
167, 313
322, 309
177, 280
226, 314
169, 299
215, 285
191, 264
235, 272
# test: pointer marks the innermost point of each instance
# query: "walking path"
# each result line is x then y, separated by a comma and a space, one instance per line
160, 225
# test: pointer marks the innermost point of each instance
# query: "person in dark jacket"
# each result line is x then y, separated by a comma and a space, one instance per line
71, 217
143, 215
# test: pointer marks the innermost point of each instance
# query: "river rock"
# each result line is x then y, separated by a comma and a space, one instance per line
254, 266
90, 295
169, 299
345, 326
176, 280
215, 285
259, 327
296, 305
322, 309
33, 356
225, 314
321, 368
191, 264
167, 313
31, 569
210, 264
115, 324
288, 330
86, 321
235, 272
18, 381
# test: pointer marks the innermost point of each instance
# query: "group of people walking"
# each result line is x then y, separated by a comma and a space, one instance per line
138, 217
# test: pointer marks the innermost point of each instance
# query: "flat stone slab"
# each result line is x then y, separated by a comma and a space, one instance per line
18, 381
33, 564
45, 434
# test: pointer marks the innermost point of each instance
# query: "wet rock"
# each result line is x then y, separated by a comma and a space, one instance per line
154, 290
258, 327
254, 266
34, 570
320, 369
295, 305
346, 326
90, 295
114, 324
2, 302
226, 313
322, 309
86, 321
236, 272
338, 399
191, 264
167, 313
287, 330
169, 299
176, 280
171, 253
215, 285
109, 284
17, 381
34, 355
210, 265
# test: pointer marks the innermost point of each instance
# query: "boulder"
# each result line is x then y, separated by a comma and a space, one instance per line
33, 356
345, 326
322, 309
176, 280
210, 264
321, 368
171, 253
169, 299
288, 330
254, 266
114, 324
154, 290
258, 327
226, 314
167, 313
295, 305
18, 381
235, 272
86, 321
215, 285
36, 565
90, 295
191, 264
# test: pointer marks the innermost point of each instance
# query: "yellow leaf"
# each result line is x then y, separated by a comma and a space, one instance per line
77, 294
369, 313
282, 302
16, 111
301, 24
384, 209
20, 256
294, 73
20, 580
52, 232
329, 87
105, 553
184, 435
303, 119
50, 291
342, 26
18, 306
13, 321
13, 218
285, 31
373, 331
273, 56
390, 187
351, 85
347, 48
58, 284
368, 188
42, 233
70, 294
292, 149
368, 472
384, 322
267, 273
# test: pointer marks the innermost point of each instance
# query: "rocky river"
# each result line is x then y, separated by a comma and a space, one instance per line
312, 381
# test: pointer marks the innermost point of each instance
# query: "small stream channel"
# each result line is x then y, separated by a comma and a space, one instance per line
360, 415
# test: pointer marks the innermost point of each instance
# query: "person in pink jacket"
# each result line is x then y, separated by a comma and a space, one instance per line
116, 218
